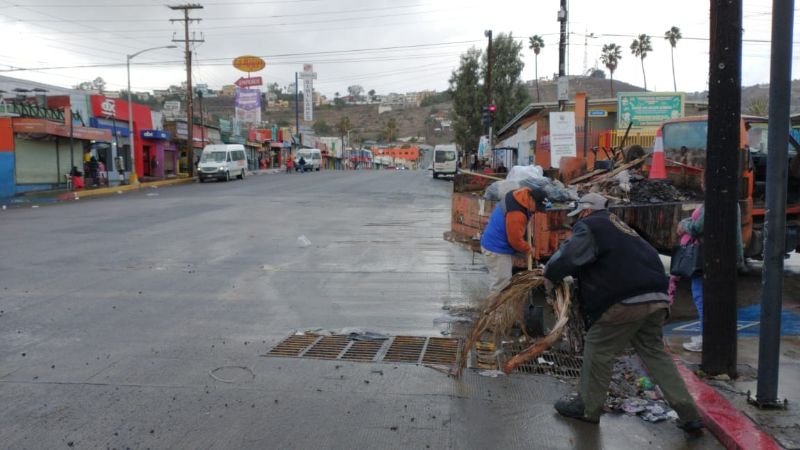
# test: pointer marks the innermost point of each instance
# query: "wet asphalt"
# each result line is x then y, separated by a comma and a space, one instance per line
140, 320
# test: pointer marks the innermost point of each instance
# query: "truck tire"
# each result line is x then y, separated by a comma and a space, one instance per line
633, 152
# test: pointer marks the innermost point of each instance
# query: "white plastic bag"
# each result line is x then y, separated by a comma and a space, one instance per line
499, 189
522, 172
303, 241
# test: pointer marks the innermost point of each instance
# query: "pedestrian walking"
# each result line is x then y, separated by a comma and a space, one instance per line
94, 170
301, 165
504, 235
622, 308
289, 164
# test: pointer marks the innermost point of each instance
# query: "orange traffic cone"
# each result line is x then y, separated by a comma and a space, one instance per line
658, 169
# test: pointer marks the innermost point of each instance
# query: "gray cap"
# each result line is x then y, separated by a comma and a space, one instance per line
590, 201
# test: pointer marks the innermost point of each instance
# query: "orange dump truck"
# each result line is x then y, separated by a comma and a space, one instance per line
684, 148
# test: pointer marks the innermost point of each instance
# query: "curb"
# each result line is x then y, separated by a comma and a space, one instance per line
125, 188
730, 426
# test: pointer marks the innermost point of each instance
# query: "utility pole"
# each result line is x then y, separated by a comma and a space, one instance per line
489, 102
189, 94
562, 56
297, 111
769, 343
720, 247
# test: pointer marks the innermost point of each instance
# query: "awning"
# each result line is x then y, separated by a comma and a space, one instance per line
43, 126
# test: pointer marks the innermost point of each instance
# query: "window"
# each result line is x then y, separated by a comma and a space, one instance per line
213, 157
445, 156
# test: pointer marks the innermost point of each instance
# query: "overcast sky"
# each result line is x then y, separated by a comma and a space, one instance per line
389, 46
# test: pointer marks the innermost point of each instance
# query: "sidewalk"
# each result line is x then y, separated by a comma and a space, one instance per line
723, 403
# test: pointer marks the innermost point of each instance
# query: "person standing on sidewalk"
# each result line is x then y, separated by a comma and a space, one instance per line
622, 308
505, 234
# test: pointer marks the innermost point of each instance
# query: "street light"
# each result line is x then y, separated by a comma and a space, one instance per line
132, 179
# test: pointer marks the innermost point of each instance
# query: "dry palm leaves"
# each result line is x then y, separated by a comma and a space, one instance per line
504, 312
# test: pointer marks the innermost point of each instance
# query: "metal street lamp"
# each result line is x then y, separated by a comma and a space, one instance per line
132, 179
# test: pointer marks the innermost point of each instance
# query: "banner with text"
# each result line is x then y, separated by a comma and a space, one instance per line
248, 105
648, 109
562, 137
308, 76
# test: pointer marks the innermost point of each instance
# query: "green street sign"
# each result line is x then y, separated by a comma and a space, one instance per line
648, 109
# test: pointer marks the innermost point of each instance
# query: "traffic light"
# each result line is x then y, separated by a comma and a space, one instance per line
487, 115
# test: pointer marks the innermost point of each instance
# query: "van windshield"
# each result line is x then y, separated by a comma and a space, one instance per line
213, 157
445, 156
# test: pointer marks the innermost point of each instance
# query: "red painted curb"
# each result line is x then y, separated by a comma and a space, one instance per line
729, 425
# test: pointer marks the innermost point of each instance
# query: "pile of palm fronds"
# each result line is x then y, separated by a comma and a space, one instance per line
504, 313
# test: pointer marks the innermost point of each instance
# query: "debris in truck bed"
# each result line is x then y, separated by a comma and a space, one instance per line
631, 186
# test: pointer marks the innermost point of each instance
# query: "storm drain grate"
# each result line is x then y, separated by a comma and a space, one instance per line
441, 351
293, 345
405, 349
363, 351
551, 362
399, 349
329, 347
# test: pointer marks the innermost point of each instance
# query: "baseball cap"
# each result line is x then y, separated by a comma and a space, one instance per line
589, 201
540, 199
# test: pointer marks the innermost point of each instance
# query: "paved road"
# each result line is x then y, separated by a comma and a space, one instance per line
116, 312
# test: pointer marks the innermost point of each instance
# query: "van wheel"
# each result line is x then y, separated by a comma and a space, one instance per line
201, 179
435, 175
227, 176
241, 176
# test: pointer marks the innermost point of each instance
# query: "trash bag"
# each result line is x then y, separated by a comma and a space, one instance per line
499, 189
522, 172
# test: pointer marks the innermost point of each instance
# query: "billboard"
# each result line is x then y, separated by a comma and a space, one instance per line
648, 109
247, 104
308, 76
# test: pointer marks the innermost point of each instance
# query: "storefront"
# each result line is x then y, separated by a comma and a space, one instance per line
112, 114
159, 154
201, 136
36, 154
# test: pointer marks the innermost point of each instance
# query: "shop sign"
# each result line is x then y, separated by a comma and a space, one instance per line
155, 134
249, 63
109, 107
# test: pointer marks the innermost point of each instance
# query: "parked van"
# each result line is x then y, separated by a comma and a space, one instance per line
313, 157
445, 160
222, 161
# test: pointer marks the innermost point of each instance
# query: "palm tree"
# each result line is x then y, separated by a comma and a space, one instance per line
391, 129
640, 47
536, 43
673, 35
610, 57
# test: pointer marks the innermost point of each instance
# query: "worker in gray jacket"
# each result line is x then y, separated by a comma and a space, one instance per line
622, 291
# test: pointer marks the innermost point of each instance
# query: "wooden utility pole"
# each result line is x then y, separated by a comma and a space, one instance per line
722, 175
562, 52
189, 94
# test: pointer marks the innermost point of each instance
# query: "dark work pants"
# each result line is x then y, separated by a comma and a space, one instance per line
639, 326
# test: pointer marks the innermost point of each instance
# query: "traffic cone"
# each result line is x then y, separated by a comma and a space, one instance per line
658, 169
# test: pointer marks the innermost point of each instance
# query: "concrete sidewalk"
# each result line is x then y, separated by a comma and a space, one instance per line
723, 403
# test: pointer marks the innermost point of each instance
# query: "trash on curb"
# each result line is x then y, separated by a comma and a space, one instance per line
303, 241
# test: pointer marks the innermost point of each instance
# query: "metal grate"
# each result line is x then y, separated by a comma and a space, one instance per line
441, 351
329, 347
400, 349
293, 345
551, 362
363, 351
405, 349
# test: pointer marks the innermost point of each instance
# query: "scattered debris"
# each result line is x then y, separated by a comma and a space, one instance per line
491, 373
303, 241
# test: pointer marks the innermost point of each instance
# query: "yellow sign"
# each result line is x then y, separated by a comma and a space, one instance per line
249, 63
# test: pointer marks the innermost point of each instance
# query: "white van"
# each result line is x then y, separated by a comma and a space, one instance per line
222, 161
445, 160
313, 157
